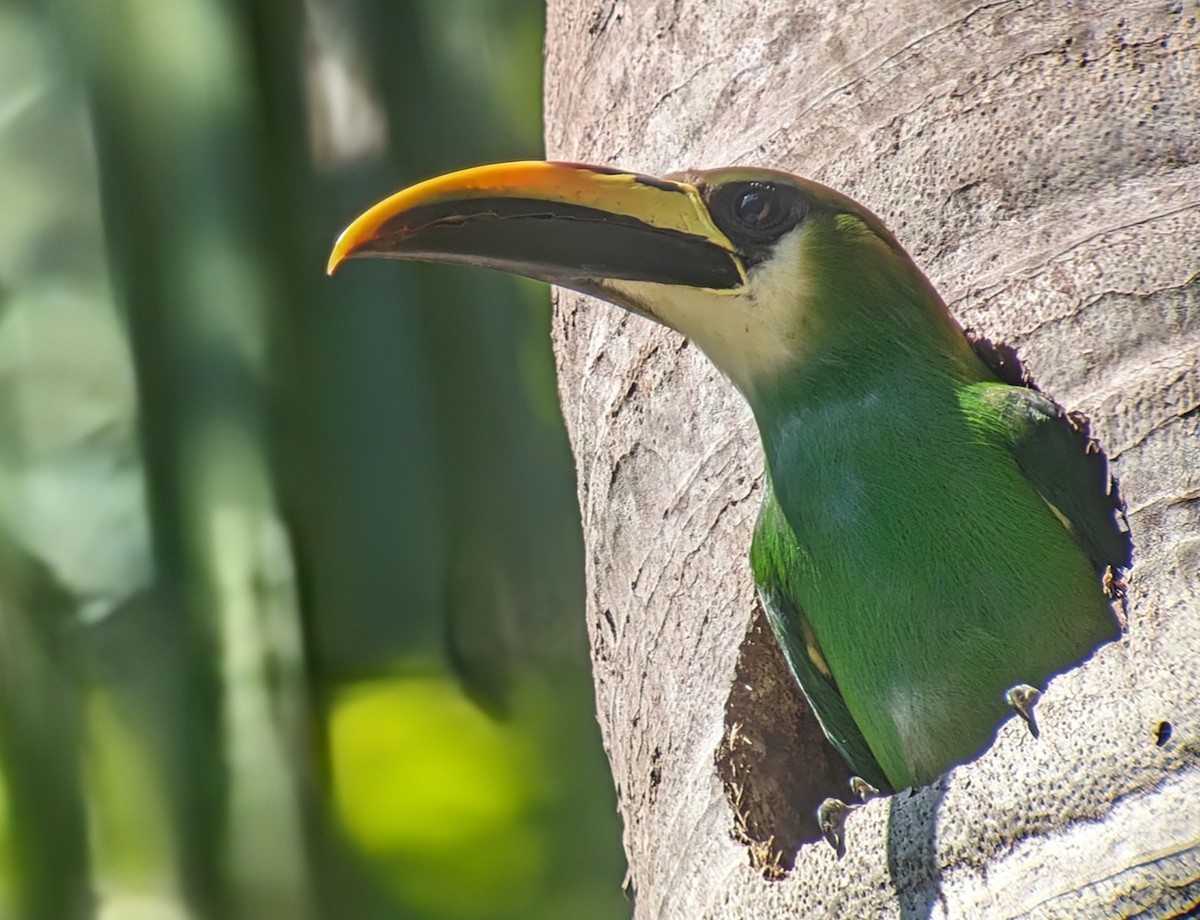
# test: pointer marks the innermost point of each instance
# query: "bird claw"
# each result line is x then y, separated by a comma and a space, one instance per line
1022, 699
862, 789
831, 818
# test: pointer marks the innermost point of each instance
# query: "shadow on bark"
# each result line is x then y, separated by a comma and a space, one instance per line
774, 761
912, 849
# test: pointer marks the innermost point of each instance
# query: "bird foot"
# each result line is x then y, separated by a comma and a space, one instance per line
862, 789
1022, 699
831, 818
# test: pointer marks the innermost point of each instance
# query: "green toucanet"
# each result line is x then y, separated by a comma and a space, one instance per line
931, 536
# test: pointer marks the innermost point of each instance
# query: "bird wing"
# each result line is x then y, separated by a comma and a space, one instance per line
774, 561
1059, 458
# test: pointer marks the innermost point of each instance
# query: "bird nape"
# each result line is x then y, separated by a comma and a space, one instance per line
932, 536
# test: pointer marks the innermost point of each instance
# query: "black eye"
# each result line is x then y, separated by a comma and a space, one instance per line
757, 207
756, 212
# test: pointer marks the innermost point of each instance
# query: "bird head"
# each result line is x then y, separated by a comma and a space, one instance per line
763, 270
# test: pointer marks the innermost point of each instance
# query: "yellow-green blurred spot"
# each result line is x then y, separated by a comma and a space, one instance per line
7, 887
131, 836
440, 797
131, 840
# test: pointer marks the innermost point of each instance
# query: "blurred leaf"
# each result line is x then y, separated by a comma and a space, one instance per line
436, 792
227, 503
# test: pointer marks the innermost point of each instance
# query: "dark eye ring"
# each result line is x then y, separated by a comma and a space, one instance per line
756, 212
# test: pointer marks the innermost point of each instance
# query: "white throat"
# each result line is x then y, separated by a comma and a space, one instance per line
752, 334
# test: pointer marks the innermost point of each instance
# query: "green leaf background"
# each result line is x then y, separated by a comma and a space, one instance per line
290, 567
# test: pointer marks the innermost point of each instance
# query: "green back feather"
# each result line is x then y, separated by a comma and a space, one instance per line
913, 533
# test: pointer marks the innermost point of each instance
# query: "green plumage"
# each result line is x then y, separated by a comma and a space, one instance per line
930, 536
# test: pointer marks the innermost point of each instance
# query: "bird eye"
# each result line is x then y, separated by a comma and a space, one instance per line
757, 207
756, 212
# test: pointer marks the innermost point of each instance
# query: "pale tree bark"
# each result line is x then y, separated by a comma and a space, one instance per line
1042, 163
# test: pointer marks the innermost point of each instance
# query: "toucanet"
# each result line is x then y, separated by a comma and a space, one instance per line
932, 535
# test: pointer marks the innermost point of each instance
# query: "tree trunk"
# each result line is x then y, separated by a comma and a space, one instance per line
1042, 163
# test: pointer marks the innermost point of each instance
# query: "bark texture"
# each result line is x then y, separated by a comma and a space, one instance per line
1041, 161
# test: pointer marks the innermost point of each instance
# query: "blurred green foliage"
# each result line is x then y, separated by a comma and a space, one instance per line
290, 567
